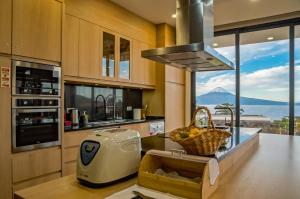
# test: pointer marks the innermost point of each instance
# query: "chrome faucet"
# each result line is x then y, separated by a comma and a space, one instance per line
230, 124
104, 105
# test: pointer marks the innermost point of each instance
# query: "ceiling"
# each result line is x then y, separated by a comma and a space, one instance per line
226, 11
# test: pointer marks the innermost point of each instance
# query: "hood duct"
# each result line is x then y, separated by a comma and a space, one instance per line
194, 38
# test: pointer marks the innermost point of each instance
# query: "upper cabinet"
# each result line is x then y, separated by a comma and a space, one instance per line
89, 50
108, 55
5, 26
144, 70
98, 55
125, 59
71, 46
149, 67
37, 29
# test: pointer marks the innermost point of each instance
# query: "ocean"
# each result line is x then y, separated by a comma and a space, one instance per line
275, 112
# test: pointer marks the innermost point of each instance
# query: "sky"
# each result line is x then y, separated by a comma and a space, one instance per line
264, 71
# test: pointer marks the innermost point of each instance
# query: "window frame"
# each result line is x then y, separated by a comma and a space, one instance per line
291, 23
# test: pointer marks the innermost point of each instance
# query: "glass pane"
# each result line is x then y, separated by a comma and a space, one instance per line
102, 103
108, 59
124, 59
217, 89
265, 80
297, 80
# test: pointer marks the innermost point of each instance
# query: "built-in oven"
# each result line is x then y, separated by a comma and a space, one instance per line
36, 109
35, 79
35, 123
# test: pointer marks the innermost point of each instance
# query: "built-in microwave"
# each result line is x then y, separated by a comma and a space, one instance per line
35, 79
35, 123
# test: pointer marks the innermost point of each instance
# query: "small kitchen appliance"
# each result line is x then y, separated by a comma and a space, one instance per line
107, 156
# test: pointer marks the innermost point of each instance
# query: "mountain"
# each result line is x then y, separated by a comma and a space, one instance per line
219, 96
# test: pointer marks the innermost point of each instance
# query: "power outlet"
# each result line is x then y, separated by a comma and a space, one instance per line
128, 108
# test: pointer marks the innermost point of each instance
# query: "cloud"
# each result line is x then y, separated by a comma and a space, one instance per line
264, 49
271, 83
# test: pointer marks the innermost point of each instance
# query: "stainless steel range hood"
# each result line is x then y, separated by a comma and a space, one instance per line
194, 38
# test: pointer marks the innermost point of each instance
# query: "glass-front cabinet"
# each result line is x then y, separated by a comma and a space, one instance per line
108, 56
124, 64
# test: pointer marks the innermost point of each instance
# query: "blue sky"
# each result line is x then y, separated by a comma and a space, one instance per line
264, 71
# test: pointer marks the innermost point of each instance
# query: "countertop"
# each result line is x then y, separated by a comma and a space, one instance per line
273, 171
163, 142
106, 124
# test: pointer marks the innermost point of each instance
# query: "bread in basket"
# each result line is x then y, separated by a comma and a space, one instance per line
200, 140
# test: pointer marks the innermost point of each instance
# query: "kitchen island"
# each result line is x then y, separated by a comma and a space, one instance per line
275, 162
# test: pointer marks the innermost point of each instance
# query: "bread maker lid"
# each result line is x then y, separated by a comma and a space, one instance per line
119, 135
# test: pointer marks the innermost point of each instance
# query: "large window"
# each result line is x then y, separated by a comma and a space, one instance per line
297, 80
217, 89
265, 91
264, 72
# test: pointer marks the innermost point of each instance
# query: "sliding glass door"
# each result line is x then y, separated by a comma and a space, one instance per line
297, 80
264, 80
217, 89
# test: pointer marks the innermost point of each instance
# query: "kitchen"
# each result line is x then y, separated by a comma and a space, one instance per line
71, 69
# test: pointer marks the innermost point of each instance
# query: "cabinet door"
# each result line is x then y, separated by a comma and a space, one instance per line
5, 26
37, 29
70, 66
108, 55
89, 50
138, 68
149, 68
125, 59
5, 137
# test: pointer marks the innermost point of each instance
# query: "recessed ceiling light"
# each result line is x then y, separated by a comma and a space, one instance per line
173, 15
254, 0
270, 38
215, 45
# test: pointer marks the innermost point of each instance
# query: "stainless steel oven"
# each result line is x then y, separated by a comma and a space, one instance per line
35, 123
35, 79
36, 109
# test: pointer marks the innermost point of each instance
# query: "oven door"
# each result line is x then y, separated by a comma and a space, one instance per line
35, 128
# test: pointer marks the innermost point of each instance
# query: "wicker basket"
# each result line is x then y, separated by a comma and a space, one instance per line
206, 142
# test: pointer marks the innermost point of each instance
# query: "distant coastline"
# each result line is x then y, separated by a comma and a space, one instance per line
221, 96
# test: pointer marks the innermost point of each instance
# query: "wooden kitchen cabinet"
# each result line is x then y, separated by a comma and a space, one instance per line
89, 50
33, 164
125, 60
5, 26
71, 40
149, 67
71, 143
143, 71
109, 53
5, 136
37, 29
138, 75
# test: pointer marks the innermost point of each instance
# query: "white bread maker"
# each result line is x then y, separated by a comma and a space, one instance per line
106, 156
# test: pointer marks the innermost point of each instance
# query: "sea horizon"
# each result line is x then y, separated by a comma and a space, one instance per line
275, 112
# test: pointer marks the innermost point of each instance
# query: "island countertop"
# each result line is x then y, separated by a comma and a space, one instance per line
273, 171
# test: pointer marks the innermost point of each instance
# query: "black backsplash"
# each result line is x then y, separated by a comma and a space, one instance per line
91, 99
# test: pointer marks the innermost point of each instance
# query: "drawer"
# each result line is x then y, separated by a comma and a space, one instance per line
37, 163
69, 168
72, 139
70, 154
35, 181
